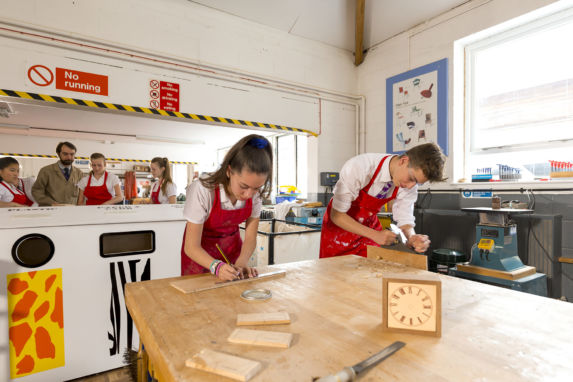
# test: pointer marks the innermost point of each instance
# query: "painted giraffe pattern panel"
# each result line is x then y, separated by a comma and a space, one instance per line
36, 321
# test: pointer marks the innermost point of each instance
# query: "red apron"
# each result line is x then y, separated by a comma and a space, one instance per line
155, 194
335, 241
97, 195
20, 197
221, 227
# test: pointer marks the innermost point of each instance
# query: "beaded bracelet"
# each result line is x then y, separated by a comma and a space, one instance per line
213, 266
218, 267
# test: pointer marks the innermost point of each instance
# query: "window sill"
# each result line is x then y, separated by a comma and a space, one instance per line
553, 185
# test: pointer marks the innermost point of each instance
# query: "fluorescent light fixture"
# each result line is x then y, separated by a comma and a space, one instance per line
169, 140
13, 126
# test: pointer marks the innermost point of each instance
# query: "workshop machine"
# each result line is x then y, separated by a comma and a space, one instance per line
494, 257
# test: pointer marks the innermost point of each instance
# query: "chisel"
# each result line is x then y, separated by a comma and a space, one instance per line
350, 373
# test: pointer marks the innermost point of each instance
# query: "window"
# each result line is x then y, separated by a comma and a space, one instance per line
291, 162
519, 101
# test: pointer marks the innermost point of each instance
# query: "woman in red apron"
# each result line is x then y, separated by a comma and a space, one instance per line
163, 191
12, 189
216, 205
100, 187
351, 230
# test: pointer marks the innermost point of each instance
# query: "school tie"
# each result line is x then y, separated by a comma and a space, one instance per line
385, 189
67, 173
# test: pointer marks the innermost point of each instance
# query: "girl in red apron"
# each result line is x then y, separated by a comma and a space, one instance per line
163, 191
351, 223
12, 189
216, 205
100, 187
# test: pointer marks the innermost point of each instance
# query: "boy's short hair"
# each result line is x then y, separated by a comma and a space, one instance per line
428, 158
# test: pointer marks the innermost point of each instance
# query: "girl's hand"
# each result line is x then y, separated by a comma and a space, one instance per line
246, 272
227, 272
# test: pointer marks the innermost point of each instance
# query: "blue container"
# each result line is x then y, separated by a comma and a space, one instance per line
283, 198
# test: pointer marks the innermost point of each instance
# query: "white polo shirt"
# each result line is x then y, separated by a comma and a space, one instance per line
171, 191
200, 202
355, 175
25, 183
112, 181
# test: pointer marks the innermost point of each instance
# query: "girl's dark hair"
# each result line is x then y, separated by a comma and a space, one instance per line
5, 162
253, 153
164, 163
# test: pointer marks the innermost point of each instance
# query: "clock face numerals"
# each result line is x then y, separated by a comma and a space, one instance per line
410, 305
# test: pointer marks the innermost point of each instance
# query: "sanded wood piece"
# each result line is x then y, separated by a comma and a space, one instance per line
513, 275
566, 260
207, 281
240, 369
272, 318
260, 338
409, 259
412, 303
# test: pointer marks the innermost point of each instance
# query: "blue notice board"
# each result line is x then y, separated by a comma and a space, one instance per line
417, 108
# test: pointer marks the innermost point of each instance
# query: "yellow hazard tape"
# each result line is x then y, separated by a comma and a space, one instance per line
143, 110
107, 159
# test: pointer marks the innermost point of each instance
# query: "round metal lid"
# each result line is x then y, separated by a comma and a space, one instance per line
256, 294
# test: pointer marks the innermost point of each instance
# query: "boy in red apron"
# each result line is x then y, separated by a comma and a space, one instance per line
366, 183
216, 205
99, 187
12, 189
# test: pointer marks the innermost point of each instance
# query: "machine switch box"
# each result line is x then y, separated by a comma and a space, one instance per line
329, 178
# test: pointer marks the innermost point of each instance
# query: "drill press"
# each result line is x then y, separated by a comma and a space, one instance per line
494, 257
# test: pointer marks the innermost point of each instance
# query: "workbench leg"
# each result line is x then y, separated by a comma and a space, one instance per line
142, 364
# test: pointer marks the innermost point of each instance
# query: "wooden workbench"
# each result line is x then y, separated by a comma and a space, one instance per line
488, 333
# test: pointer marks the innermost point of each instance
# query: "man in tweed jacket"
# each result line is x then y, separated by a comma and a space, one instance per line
56, 183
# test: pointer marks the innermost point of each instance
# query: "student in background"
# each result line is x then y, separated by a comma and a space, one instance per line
163, 191
218, 202
99, 187
369, 181
14, 191
56, 183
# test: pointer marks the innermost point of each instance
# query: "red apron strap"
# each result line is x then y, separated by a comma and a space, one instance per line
367, 188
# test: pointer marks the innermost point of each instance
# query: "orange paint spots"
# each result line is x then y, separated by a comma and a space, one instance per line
22, 307
26, 365
58, 313
32, 274
41, 311
44, 346
49, 281
17, 286
19, 335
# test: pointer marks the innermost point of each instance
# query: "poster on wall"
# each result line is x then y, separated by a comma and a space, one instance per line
417, 108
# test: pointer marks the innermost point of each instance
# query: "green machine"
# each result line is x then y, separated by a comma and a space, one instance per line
494, 257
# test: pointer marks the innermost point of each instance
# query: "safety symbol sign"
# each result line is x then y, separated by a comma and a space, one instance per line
154, 104
154, 93
40, 75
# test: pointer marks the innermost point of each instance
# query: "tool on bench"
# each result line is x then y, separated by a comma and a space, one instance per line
400, 244
351, 373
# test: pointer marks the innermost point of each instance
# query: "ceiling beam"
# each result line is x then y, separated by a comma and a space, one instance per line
359, 32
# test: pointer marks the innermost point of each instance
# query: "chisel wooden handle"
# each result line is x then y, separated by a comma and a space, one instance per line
345, 375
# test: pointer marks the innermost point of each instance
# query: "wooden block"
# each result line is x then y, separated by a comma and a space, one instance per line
261, 338
274, 318
237, 368
207, 281
518, 273
409, 259
412, 303
567, 260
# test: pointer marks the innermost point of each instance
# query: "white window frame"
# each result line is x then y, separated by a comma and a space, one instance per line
463, 53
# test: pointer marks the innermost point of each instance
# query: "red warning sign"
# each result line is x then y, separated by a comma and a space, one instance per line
169, 96
40, 75
154, 104
84, 82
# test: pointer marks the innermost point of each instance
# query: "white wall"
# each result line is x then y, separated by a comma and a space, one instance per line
183, 30
422, 45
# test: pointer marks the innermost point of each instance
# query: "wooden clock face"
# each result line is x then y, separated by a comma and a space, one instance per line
411, 305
